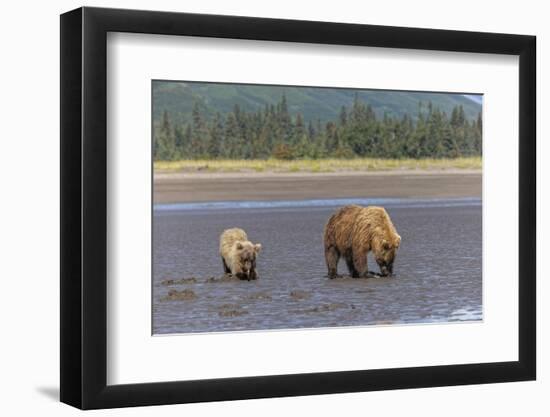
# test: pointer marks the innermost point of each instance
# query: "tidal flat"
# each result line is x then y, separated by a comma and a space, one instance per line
438, 270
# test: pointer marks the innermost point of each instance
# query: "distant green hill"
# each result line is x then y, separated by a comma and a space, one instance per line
313, 102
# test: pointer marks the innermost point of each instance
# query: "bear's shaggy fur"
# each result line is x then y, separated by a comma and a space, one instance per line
353, 231
239, 254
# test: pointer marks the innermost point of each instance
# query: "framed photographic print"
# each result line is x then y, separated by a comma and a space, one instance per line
257, 207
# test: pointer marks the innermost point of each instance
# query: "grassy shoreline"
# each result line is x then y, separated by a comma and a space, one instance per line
316, 165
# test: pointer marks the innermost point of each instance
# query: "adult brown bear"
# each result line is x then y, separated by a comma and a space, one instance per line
352, 231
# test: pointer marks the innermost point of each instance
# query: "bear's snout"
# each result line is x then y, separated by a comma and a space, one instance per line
243, 275
386, 268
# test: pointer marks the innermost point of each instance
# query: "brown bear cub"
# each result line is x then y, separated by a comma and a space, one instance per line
352, 231
239, 254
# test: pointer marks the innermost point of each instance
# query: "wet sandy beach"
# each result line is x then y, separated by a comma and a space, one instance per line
438, 267
183, 188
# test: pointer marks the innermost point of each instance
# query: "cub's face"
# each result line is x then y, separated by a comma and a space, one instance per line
247, 252
385, 255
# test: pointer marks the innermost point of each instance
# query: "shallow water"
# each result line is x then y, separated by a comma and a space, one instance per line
437, 270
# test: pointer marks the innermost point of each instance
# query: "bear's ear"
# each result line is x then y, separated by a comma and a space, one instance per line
397, 241
239, 245
258, 247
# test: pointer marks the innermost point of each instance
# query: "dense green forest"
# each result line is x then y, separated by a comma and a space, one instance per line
276, 132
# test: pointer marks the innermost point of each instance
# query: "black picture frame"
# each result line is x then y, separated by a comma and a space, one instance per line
84, 207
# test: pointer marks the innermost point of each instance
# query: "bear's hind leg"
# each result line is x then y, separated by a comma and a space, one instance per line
332, 257
225, 267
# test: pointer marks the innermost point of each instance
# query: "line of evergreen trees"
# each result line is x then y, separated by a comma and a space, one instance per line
358, 132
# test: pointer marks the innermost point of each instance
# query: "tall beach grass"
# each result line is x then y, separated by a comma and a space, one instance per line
316, 165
